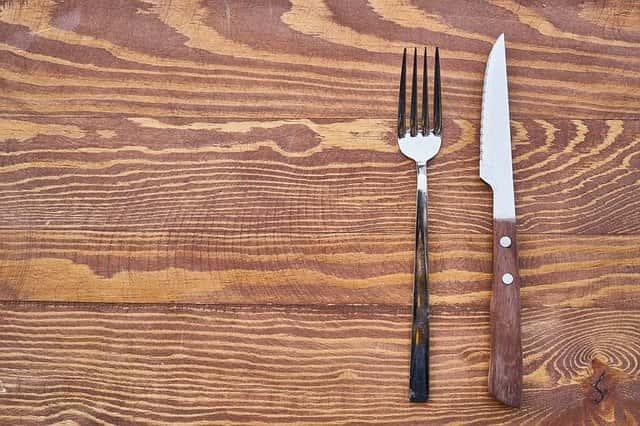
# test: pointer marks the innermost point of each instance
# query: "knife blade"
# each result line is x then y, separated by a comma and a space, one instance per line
496, 169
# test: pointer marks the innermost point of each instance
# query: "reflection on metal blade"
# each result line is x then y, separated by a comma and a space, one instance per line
495, 134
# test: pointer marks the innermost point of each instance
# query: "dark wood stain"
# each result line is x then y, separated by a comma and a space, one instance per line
505, 364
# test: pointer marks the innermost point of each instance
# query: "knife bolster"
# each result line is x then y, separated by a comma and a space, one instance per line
505, 364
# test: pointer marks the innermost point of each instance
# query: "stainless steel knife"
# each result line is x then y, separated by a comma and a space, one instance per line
505, 365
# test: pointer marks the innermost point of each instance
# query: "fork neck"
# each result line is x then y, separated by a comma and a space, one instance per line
422, 177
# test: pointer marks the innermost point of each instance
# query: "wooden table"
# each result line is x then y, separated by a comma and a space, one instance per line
205, 217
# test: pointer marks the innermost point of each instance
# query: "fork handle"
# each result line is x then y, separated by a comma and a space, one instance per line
419, 371
505, 365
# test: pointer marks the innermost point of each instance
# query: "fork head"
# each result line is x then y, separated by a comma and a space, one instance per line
420, 142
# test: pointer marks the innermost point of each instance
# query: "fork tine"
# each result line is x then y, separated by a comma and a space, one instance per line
402, 96
414, 96
437, 99
425, 97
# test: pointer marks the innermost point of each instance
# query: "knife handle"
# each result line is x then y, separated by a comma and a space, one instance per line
505, 364
419, 369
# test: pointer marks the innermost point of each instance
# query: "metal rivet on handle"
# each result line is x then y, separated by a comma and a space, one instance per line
505, 241
507, 279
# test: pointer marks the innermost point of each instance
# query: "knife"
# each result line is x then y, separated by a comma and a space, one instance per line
505, 364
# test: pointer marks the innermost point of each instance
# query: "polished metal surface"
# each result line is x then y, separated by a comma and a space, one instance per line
420, 142
507, 279
495, 134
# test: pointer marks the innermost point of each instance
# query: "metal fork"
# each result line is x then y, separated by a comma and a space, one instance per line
420, 143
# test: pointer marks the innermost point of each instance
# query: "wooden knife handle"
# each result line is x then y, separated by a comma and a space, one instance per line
505, 365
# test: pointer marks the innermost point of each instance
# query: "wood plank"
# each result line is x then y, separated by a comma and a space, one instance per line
304, 211
311, 59
557, 271
305, 177
332, 365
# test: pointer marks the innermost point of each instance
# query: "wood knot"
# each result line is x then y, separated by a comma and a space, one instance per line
601, 392
601, 382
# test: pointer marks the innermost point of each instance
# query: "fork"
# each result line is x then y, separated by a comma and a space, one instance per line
420, 143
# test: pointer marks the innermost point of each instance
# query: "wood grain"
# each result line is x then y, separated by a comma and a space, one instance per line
242, 153
330, 365
302, 211
305, 177
310, 59
558, 271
